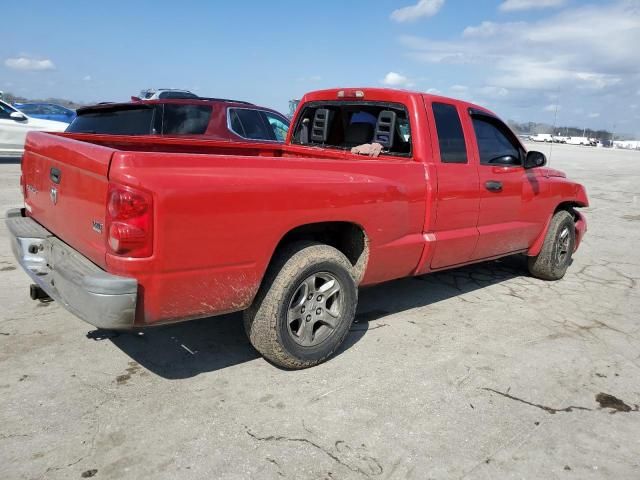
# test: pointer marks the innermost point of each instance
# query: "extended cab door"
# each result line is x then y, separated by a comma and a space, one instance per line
457, 197
502, 222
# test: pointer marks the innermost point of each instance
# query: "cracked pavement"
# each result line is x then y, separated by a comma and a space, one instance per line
479, 372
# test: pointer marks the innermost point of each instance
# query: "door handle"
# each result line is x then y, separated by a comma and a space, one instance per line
493, 185
55, 175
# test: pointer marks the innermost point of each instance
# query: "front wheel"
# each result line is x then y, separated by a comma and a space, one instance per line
555, 256
305, 306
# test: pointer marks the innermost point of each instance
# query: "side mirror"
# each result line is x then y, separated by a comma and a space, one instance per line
20, 117
535, 159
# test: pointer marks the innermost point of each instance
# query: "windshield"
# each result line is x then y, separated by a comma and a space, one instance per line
342, 125
7, 108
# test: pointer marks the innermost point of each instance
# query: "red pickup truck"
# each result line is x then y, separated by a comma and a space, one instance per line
130, 231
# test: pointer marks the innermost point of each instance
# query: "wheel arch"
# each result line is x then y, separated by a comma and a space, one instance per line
566, 205
349, 238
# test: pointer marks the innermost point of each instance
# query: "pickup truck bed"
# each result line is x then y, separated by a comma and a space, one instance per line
138, 231
220, 215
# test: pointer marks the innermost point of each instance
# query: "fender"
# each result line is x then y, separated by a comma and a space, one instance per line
578, 199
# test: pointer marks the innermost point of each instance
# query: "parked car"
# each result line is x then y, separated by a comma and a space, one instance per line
47, 111
221, 119
541, 137
153, 94
133, 231
14, 126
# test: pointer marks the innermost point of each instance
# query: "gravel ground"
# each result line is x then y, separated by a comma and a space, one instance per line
480, 372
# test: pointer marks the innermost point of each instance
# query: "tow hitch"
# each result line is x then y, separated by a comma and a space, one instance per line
37, 293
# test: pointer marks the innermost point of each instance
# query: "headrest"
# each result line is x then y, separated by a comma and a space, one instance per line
358, 133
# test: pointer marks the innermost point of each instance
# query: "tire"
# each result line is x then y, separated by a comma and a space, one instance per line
302, 282
555, 256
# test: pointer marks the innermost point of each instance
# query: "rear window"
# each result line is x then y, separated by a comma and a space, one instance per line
344, 125
185, 119
122, 121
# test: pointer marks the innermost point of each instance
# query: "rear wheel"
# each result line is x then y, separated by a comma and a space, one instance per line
555, 257
305, 307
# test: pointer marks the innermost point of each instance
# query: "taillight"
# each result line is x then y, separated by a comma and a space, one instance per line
129, 221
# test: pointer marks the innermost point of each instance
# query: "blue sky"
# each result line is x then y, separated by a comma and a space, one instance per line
522, 58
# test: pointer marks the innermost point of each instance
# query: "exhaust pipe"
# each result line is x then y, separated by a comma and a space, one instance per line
37, 293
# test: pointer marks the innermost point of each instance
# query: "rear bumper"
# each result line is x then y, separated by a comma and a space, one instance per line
97, 297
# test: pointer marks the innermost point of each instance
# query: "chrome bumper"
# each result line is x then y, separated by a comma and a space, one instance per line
97, 297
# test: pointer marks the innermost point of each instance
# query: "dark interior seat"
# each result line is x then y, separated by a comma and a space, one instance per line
357, 134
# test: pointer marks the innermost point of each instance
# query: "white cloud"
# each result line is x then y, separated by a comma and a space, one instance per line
552, 108
459, 88
491, 91
515, 5
593, 115
485, 29
593, 48
393, 79
87, 78
26, 63
434, 91
424, 8
489, 29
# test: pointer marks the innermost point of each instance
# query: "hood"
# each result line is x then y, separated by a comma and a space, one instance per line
47, 125
552, 172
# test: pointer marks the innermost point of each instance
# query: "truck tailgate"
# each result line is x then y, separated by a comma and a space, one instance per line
66, 184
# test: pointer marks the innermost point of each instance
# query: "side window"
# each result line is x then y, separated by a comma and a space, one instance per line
47, 110
185, 119
235, 125
28, 109
250, 124
279, 126
450, 136
494, 143
58, 110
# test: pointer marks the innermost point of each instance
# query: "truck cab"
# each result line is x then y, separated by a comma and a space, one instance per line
487, 195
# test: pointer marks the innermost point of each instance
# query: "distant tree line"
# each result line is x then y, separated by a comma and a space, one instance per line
11, 98
531, 128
